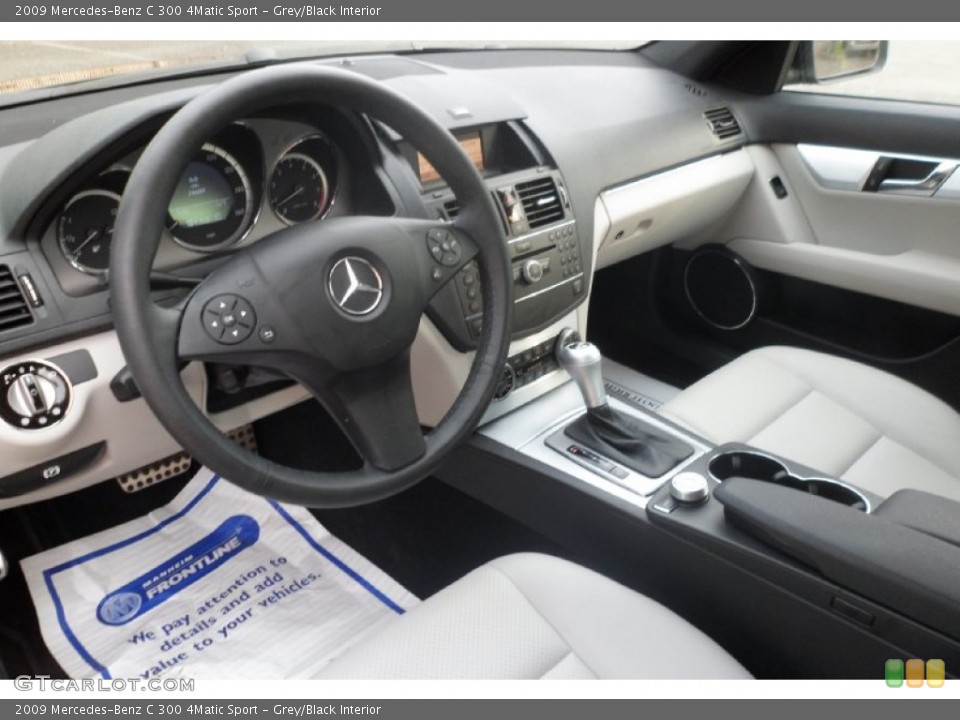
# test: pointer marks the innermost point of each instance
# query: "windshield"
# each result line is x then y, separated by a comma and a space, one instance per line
35, 65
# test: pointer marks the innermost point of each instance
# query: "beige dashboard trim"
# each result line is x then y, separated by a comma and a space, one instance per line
671, 206
133, 435
916, 277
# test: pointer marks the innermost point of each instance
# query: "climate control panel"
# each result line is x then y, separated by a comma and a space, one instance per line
527, 367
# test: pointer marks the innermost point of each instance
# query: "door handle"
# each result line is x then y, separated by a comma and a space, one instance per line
884, 176
924, 186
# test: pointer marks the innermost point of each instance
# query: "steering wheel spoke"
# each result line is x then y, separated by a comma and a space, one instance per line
234, 316
442, 249
375, 408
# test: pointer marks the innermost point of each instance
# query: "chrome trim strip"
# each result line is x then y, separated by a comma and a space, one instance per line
744, 268
548, 289
251, 210
71, 259
544, 229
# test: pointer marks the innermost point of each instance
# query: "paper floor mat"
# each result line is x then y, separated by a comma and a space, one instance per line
219, 583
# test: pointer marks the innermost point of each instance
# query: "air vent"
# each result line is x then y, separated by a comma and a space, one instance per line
541, 202
451, 208
722, 123
695, 90
14, 311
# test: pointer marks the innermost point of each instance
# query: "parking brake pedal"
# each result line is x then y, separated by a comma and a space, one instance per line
177, 464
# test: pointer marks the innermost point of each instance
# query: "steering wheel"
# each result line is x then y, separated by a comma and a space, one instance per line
335, 305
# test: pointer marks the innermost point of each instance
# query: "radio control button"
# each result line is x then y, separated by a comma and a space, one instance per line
532, 271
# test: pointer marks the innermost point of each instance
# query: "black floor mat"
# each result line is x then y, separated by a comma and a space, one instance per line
31, 529
430, 535
426, 537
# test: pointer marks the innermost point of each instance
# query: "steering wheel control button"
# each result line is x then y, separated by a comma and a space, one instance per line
444, 247
229, 319
689, 488
475, 325
355, 286
33, 394
267, 334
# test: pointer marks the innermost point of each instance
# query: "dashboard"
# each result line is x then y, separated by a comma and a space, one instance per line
546, 161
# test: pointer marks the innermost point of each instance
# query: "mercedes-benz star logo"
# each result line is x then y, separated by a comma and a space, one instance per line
355, 286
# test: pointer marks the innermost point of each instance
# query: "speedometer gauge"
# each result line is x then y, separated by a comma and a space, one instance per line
298, 189
213, 205
85, 229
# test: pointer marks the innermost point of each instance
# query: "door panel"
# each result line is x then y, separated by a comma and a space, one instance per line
841, 265
882, 223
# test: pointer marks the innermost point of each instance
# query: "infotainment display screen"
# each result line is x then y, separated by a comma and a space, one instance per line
471, 144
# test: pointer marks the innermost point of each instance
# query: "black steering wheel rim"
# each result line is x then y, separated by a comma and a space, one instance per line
149, 340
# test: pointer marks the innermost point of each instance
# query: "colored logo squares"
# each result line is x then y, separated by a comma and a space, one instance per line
936, 673
915, 673
895, 672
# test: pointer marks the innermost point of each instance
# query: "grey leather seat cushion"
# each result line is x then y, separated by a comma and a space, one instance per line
536, 616
841, 417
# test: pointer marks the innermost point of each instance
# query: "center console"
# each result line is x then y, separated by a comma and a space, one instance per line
797, 573
889, 566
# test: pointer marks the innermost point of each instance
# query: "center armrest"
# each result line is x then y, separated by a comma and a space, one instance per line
903, 568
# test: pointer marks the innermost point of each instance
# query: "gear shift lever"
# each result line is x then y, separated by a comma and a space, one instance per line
582, 361
610, 432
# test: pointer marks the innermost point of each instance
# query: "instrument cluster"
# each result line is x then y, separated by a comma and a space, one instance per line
253, 178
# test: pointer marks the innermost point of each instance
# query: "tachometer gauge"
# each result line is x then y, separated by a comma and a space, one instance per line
212, 206
85, 229
298, 189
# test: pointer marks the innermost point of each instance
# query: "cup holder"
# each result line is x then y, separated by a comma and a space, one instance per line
755, 466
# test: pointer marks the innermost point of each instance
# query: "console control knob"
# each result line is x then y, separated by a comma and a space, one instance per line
508, 380
689, 488
532, 271
567, 336
33, 394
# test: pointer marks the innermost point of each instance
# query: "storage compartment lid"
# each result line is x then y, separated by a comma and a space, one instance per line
899, 567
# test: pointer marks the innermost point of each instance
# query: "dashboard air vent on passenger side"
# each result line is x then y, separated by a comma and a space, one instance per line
14, 310
451, 208
541, 201
722, 122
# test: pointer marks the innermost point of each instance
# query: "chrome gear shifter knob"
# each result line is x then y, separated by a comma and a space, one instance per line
582, 361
